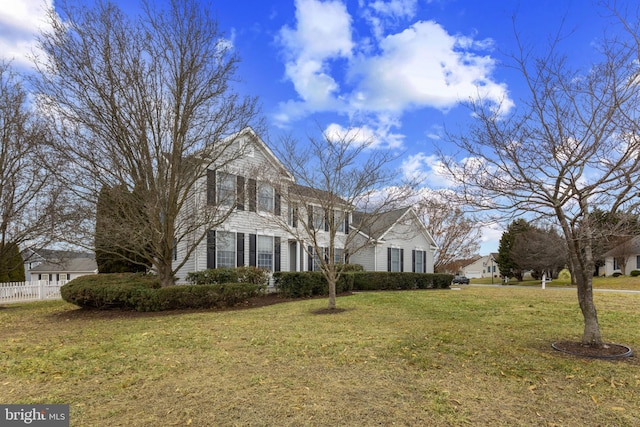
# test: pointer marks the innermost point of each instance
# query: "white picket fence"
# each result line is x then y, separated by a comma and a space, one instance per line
35, 290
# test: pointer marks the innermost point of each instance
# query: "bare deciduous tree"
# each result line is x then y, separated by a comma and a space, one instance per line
335, 174
32, 204
457, 236
572, 145
143, 104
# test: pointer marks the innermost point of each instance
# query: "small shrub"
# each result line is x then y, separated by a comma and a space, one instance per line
254, 275
104, 291
617, 274
634, 273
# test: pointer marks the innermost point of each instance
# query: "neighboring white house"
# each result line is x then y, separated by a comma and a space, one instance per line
482, 267
52, 265
254, 234
397, 241
623, 258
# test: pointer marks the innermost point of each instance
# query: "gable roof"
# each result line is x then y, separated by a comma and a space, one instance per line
628, 247
307, 193
379, 224
262, 146
44, 254
70, 265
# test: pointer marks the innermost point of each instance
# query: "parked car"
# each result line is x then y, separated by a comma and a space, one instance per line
460, 280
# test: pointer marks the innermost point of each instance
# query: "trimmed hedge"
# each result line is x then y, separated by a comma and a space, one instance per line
255, 275
382, 280
143, 293
105, 291
634, 273
307, 284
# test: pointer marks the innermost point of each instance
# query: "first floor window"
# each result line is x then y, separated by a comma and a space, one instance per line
394, 259
225, 249
419, 261
338, 256
265, 252
616, 266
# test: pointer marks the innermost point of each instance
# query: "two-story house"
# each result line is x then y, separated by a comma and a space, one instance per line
275, 223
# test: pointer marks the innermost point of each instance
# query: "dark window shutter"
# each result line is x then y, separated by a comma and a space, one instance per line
294, 221
310, 223
252, 250
211, 249
310, 258
424, 262
413, 261
401, 260
346, 223
175, 249
240, 249
276, 253
326, 220
388, 259
240, 193
252, 193
276, 205
211, 187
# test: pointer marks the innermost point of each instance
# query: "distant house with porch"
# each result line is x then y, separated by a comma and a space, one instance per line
623, 258
56, 265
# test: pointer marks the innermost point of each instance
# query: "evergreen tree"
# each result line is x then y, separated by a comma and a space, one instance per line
507, 265
114, 204
11, 264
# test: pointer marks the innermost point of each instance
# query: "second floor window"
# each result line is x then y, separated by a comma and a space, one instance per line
265, 197
226, 189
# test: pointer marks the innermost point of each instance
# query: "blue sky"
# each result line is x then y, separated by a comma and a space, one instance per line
396, 68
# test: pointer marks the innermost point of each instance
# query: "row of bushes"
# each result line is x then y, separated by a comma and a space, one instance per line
254, 275
306, 284
143, 293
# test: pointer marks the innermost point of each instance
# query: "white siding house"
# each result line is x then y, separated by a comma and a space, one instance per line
623, 258
264, 226
63, 269
482, 267
396, 240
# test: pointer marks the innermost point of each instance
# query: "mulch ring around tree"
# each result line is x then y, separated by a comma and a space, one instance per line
606, 351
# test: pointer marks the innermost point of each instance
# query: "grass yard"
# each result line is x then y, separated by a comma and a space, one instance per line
609, 282
477, 356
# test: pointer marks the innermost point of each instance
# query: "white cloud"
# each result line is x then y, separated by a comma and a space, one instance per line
420, 66
491, 235
424, 66
322, 34
20, 22
380, 137
426, 169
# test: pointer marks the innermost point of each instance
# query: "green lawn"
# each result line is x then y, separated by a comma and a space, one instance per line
621, 282
476, 356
